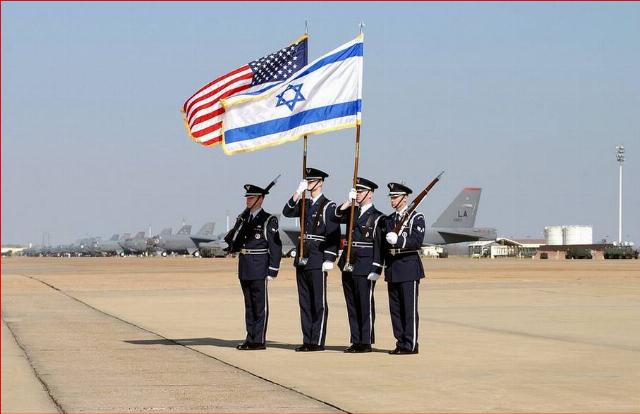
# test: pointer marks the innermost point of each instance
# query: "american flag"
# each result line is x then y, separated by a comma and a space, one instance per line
203, 111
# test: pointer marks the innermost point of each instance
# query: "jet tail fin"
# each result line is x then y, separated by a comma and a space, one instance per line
186, 229
207, 230
461, 213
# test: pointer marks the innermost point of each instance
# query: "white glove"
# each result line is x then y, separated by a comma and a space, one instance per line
270, 278
352, 195
392, 238
373, 276
302, 187
326, 266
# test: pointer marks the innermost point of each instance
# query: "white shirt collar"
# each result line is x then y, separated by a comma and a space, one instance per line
365, 208
314, 199
254, 214
402, 211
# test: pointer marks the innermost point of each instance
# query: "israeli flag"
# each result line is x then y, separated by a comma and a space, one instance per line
325, 95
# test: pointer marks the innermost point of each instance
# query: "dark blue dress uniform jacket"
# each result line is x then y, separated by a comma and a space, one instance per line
261, 233
367, 228
402, 260
324, 246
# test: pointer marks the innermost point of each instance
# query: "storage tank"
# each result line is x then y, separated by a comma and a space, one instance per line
577, 234
553, 235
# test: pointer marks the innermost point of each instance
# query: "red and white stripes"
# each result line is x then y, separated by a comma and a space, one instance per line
203, 111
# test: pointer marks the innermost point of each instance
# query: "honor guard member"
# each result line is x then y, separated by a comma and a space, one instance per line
403, 269
321, 241
366, 247
256, 239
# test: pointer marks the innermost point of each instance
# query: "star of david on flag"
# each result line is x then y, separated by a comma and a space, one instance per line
323, 96
297, 96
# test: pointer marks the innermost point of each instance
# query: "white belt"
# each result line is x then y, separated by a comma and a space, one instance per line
394, 252
254, 251
362, 244
314, 237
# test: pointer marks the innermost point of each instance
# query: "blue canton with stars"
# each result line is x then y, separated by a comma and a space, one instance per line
279, 65
297, 96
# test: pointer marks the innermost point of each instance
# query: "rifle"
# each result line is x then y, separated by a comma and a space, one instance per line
415, 203
243, 217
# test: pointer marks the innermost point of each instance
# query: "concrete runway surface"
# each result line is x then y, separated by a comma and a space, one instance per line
159, 334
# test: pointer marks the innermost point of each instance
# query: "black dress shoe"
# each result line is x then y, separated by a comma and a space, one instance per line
403, 351
315, 348
302, 348
363, 348
243, 346
256, 347
352, 349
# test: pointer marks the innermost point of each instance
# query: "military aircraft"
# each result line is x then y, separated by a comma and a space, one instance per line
184, 242
136, 244
455, 224
214, 248
110, 247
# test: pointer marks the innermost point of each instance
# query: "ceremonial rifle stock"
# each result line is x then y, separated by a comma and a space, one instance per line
302, 261
415, 203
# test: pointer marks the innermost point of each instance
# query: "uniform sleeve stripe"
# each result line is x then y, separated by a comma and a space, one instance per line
327, 251
274, 268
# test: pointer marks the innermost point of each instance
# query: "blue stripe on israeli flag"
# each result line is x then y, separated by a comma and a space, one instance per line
301, 118
354, 50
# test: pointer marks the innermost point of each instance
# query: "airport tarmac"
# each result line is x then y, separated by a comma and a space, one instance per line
159, 334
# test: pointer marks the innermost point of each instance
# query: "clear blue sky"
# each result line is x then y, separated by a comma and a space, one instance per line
526, 101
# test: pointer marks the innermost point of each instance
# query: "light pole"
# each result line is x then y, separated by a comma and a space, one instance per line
620, 158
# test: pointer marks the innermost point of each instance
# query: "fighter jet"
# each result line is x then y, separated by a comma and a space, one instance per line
136, 244
185, 243
215, 248
455, 224
110, 247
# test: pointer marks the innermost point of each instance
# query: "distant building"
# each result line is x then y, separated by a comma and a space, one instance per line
12, 250
503, 247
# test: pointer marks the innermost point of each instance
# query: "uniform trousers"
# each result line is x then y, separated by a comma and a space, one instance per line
256, 309
358, 294
314, 311
403, 306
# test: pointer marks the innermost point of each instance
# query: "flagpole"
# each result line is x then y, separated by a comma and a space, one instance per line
303, 200
348, 267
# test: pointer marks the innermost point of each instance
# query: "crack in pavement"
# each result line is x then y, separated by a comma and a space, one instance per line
328, 404
33, 369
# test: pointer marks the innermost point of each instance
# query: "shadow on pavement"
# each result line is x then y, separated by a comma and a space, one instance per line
225, 343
